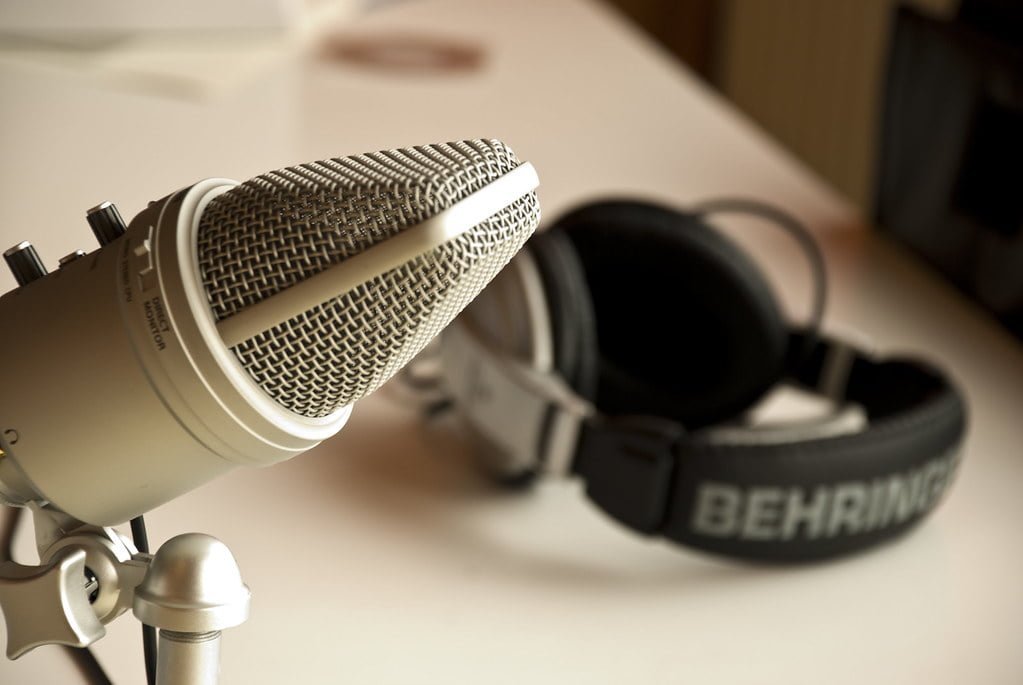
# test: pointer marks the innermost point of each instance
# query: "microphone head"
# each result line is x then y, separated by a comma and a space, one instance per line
283, 227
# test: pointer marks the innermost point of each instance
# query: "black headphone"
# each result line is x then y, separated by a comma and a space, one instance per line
624, 343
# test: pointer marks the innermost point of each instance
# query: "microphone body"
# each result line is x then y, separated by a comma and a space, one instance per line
119, 390
118, 349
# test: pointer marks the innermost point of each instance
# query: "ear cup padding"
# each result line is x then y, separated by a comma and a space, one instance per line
570, 307
687, 326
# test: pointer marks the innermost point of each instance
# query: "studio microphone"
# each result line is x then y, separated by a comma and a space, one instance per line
235, 324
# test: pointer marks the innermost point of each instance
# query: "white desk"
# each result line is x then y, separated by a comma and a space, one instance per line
381, 557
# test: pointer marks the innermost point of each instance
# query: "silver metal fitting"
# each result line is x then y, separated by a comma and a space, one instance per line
193, 585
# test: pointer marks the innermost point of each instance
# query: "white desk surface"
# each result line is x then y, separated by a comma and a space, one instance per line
381, 557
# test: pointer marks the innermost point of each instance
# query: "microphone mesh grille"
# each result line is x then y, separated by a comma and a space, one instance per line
287, 225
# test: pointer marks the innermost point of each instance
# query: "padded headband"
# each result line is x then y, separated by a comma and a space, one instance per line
793, 501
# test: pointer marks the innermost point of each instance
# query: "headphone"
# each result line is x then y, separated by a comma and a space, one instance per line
623, 346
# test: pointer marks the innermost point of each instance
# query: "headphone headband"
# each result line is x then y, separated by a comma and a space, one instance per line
792, 501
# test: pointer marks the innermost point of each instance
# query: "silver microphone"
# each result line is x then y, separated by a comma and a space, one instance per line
235, 324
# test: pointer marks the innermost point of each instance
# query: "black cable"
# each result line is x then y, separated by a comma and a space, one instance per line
803, 238
83, 657
141, 540
139, 535
88, 665
7, 534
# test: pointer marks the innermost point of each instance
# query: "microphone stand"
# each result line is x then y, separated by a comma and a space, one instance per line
190, 590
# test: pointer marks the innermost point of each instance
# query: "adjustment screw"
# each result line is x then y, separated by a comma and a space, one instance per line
68, 258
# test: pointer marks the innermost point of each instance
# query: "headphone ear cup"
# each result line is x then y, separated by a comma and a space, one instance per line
570, 307
688, 327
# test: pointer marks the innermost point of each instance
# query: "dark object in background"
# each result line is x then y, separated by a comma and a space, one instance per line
950, 179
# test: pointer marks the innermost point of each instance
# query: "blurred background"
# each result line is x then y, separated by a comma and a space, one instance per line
911, 109
810, 72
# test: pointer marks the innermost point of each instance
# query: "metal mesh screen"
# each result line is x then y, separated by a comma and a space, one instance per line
285, 226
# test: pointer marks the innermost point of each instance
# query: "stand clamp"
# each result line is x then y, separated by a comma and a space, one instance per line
88, 576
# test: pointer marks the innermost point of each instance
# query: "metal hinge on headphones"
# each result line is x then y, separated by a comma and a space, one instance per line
532, 419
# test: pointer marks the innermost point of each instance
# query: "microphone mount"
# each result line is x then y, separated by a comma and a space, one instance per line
191, 590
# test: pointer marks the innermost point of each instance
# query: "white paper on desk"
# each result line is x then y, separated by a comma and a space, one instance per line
75, 17
198, 50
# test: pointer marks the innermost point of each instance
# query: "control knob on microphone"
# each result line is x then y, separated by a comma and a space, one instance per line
106, 222
24, 263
